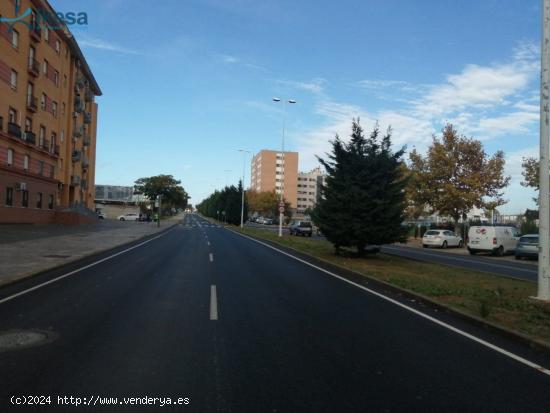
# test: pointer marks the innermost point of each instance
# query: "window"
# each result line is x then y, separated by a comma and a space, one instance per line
53, 141
12, 116
39, 200
54, 109
64, 80
32, 54
46, 34
41, 136
56, 77
10, 157
50, 201
25, 199
9, 196
41, 168
45, 67
63, 108
43, 102
26, 160
13, 79
30, 90
57, 46
15, 39
28, 125
52, 171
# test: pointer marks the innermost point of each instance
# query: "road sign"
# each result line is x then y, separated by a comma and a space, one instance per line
281, 209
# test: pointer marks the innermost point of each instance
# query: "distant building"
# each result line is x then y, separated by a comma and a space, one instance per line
115, 200
309, 189
276, 171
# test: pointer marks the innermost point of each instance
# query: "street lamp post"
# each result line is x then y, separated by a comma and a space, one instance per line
281, 203
244, 152
543, 292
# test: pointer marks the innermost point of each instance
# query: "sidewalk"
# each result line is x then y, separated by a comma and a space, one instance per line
28, 249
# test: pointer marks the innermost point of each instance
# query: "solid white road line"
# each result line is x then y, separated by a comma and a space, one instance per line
211, 257
412, 310
213, 303
93, 264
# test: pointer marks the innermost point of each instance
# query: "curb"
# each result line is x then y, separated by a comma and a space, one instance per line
26, 276
429, 302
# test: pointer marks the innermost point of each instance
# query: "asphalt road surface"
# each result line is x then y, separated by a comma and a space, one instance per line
233, 325
473, 262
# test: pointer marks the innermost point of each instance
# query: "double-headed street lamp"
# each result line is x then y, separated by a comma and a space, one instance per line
281, 203
244, 152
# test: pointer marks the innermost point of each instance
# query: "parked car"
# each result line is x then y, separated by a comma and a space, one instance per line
101, 215
303, 228
441, 238
497, 240
128, 217
528, 247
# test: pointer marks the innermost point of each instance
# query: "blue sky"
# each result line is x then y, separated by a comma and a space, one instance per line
188, 83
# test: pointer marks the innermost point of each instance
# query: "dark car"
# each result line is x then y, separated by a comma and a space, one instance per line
528, 247
301, 228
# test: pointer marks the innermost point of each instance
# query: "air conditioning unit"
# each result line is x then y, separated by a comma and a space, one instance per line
20, 186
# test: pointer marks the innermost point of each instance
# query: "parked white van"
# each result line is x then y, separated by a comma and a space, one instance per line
498, 240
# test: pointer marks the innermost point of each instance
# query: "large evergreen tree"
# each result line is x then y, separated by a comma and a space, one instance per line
363, 200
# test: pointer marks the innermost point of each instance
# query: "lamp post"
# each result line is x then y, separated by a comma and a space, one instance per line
244, 152
543, 292
281, 203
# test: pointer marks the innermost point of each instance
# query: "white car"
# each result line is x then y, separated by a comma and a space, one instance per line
128, 217
441, 238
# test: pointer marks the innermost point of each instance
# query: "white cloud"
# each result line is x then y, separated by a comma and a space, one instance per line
99, 44
315, 85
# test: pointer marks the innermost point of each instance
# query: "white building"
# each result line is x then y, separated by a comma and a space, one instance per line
309, 189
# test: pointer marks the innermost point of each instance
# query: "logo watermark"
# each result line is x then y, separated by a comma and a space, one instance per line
43, 18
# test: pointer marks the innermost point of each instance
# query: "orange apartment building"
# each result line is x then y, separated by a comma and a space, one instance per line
268, 174
48, 120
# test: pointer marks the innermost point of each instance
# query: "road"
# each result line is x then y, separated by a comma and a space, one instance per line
473, 262
200, 312
498, 265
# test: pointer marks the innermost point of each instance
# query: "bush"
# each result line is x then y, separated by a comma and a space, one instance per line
529, 227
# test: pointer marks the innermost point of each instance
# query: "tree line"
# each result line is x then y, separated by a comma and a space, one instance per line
225, 205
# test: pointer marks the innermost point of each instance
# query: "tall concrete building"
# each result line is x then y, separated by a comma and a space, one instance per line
48, 118
309, 189
269, 174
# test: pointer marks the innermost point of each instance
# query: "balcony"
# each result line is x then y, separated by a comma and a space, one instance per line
46, 145
80, 82
56, 150
87, 118
78, 106
14, 129
35, 32
32, 104
86, 141
75, 156
34, 67
78, 132
29, 137
75, 180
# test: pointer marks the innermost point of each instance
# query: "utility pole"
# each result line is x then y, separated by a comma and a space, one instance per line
242, 183
159, 200
543, 292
